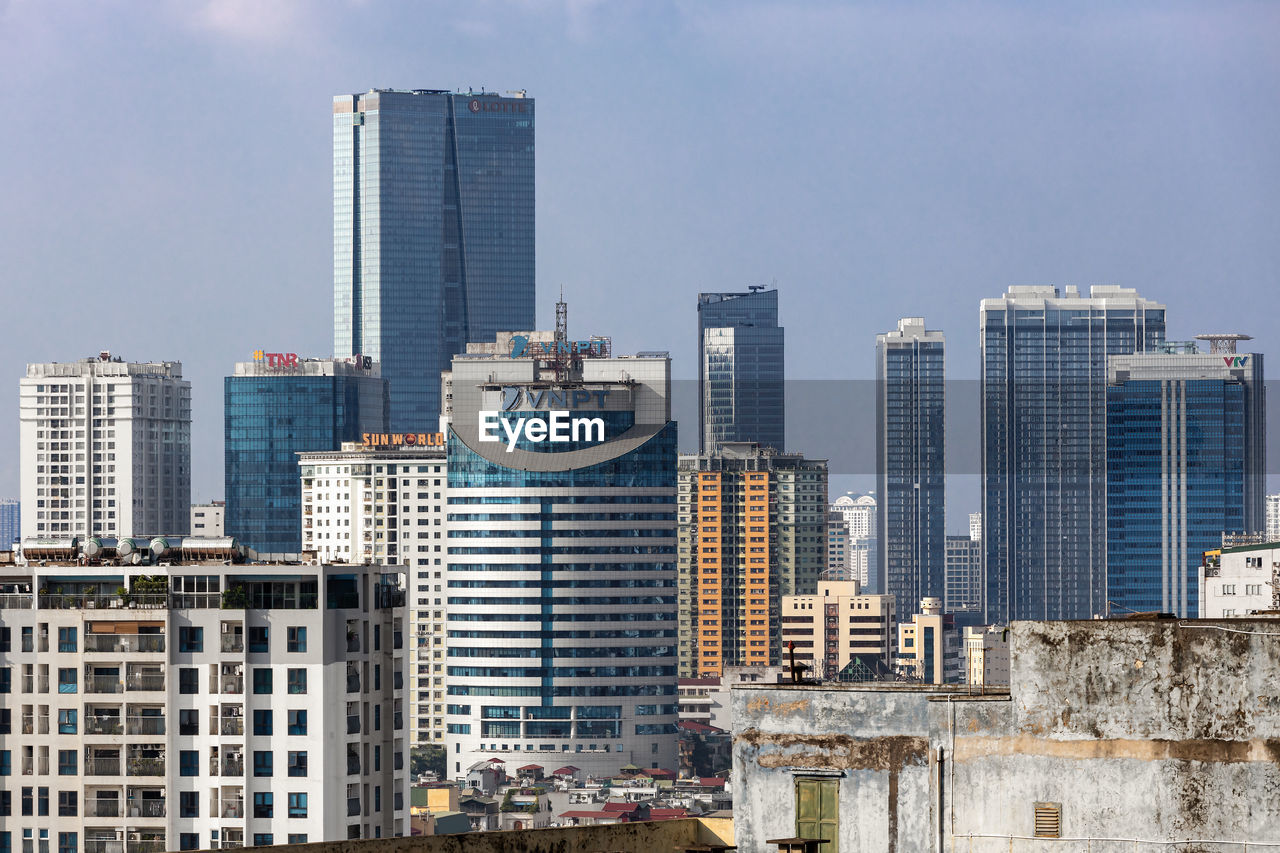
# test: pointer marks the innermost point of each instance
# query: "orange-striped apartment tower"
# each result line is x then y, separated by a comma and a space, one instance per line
752, 528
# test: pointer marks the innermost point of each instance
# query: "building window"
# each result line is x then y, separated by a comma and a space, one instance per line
298, 763
263, 839
258, 639
67, 721
6, 680
297, 722
68, 803
190, 640
297, 637
263, 805
188, 722
42, 801
294, 838
262, 723
189, 804
189, 762
6, 763
188, 680
262, 763
67, 762
67, 640
262, 679
68, 842
297, 681
68, 680
297, 805
188, 841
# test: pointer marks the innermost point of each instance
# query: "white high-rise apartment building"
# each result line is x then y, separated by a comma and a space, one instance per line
383, 503
860, 515
1273, 518
194, 702
975, 526
105, 448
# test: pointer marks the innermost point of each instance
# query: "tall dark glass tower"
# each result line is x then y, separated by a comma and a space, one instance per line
272, 413
433, 233
910, 464
740, 369
1044, 445
1186, 462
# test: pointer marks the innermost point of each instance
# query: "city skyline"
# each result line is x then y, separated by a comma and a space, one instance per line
1125, 151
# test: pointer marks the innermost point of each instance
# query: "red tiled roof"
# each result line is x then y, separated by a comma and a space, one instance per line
582, 813
698, 728
662, 773
529, 767
711, 782
567, 770
668, 814
620, 807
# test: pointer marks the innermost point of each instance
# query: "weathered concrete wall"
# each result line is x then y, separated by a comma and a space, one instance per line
661, 835
876, 742
1155, 731
1150, 730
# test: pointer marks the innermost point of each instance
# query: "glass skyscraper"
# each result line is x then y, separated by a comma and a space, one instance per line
561, 615
740, 370
1186, 462
910, 464
433, 233
1044, 397
274, 413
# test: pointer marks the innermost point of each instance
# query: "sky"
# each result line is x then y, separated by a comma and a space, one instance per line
167, 170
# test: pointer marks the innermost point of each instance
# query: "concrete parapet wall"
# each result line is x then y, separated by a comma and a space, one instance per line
1143, 733
643, 837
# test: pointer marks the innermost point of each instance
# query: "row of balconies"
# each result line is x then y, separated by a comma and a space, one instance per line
138, 765
116, 845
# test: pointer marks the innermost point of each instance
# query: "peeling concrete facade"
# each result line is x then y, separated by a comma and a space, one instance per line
1152, 730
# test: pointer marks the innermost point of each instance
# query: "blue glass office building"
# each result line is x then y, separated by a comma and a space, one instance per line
273, 414
10, 522
561, 615
433, 233
910, 464
1186, 462
1044, 399
740, 370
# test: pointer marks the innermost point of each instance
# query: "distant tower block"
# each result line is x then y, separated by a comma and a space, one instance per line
1224, 344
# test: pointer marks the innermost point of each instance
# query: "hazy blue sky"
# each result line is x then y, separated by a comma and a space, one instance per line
166, 169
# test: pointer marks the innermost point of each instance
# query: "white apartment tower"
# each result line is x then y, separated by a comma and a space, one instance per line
105, 448
192, 701
381, 502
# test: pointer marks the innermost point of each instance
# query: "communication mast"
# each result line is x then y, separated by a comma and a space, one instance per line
562, 358
562, 318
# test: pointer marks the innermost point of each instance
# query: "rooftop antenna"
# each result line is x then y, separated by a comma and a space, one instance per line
562, 336
562, 318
